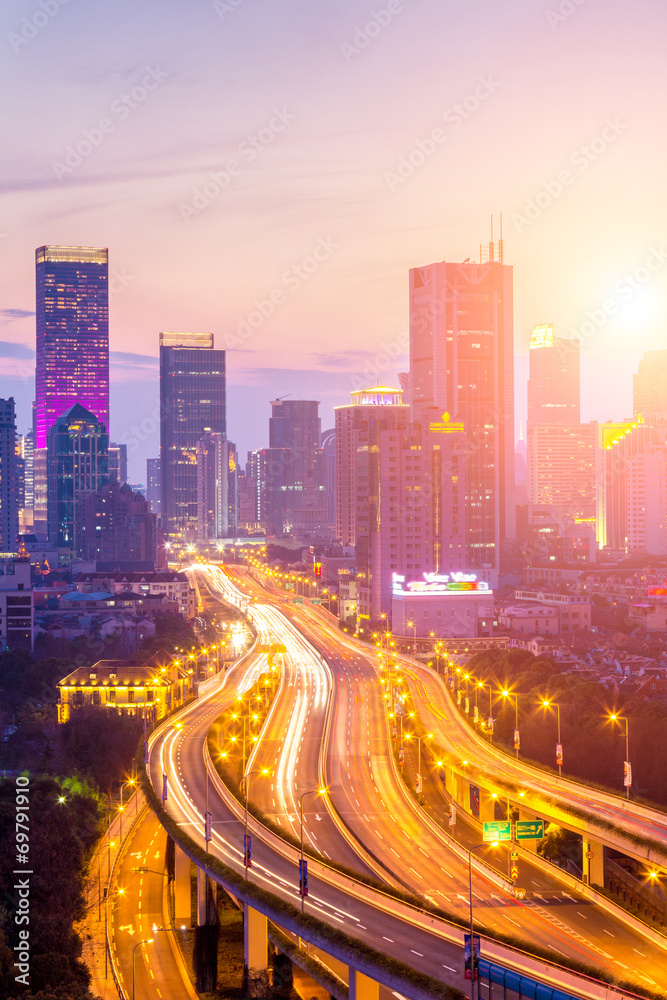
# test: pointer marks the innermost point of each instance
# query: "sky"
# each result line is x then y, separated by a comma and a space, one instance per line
269, 171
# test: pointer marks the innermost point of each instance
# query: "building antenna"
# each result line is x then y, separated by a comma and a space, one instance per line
501, 254
492, 255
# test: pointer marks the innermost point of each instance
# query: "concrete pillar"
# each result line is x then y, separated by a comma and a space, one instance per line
255, 952
202, 898
594, 866
487, 807
182, 889
361, 987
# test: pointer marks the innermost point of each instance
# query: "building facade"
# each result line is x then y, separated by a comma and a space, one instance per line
9, 478
554, 378
77, 463
295, 433
462, 363
562, 468
16, 610
649, 385
192, 401
72, 347
217, 487
154, 485
115, 525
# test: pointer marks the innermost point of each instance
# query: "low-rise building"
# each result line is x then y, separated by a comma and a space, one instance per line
529, 619
16, 612
573, 609
151, 689
441, 605
174, 585
649, 615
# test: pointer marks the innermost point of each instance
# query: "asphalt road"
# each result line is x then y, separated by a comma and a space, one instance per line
371, 801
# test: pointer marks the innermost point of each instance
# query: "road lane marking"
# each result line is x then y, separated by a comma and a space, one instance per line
416, 952
450, 968
390, 940
608, 932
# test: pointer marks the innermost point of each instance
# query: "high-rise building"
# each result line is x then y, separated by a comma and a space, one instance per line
462, 363
554, 380
621, 445
118, 462
294, 428
217, 490
9, 478
72, 349
154, 485
358, 429
115, 527
649, 385
77, 460
562, 468
192, 401
268, 470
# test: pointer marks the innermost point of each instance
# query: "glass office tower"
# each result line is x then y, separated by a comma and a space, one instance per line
192, 401
72, 350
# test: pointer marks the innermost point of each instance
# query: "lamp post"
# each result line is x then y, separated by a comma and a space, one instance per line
472, 938
413, 626
429, 736
559, 746
312, 791
134, 955
246, 782
506, 694
627, 776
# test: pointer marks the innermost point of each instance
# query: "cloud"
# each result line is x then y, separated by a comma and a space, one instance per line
16, 313
9, 349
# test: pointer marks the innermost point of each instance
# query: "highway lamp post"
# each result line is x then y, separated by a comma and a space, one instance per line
246, 782
472, 933
312, 791
507, 694
627, 771
559, 746
419, 739
134, 955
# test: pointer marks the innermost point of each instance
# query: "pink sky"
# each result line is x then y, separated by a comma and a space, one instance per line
302, 113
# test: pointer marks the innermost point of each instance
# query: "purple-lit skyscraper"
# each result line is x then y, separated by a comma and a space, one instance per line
72, 363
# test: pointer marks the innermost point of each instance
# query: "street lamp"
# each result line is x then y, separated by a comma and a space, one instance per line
472, 938
313, 791
246, 782
559, 746
507, 694
134, 955
414, 637
627, 775
429, 736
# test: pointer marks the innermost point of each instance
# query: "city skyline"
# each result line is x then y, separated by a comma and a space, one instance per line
362, 186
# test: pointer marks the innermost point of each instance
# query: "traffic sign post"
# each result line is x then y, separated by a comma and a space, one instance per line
501, 830
247, 850
303, 877
530, 829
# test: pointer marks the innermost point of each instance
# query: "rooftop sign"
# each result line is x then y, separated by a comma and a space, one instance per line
436, 583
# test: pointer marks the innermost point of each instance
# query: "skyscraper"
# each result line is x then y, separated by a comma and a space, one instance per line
154, 485
462, 363
553, 382
77, 460
192, 401
294, 427
72, 362
9, 478
649, 385
72, 350
217, 515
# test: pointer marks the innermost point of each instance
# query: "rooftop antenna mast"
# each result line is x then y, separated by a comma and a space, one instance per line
492, 254
501, 253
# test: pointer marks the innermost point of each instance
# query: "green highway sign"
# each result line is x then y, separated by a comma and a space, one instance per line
498, 831
530, 829
297, 600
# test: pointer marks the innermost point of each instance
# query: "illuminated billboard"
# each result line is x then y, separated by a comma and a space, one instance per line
439, 584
